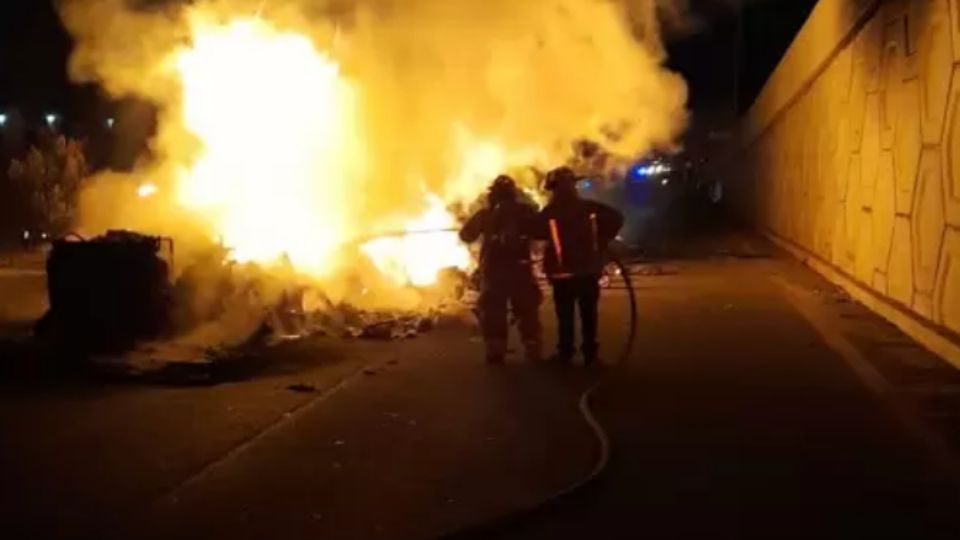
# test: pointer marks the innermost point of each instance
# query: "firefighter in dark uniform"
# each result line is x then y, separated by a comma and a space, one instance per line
578, 232
506, 273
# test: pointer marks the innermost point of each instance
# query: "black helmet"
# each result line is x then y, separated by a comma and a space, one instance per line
503, 188
559, 176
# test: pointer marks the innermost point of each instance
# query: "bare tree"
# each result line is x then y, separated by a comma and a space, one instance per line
51, 174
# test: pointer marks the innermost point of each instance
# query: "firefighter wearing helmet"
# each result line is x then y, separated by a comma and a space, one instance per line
506, 273
578, 232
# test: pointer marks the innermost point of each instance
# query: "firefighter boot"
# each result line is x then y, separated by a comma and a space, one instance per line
496, 351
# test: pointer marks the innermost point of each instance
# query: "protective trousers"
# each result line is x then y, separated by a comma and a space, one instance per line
522, 296
570, 293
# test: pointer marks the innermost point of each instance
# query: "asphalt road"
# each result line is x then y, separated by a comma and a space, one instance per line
761, 403
22, 299
758, 403
331, 438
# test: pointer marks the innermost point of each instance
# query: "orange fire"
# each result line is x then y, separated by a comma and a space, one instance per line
294, 131
269, 112
418, 258
276, 123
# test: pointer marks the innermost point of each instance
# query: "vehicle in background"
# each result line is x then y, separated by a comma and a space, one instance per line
647, 193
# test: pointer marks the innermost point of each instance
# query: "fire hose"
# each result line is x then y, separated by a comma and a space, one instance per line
504, 522
632, 299
622, 271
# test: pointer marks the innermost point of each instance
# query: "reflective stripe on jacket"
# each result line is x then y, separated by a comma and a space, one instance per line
578, 232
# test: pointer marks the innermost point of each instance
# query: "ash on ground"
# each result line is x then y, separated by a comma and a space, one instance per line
227, 312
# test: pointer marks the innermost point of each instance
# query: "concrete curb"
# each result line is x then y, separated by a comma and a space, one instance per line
922, 331
938, 448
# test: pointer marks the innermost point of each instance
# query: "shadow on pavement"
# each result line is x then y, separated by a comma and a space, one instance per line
29, 364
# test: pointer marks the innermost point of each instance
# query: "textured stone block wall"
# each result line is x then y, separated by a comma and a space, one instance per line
857, 160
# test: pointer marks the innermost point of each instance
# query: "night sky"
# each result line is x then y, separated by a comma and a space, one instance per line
708, 56
35, 49
34, 53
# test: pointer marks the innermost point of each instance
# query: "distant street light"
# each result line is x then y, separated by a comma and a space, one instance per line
52, 120
110, 123
3, 119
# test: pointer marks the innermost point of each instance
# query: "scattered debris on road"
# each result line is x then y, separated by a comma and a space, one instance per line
648, 270
302, 388
209, 320
379, 325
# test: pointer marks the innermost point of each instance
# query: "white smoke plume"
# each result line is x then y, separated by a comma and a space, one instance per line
432, 99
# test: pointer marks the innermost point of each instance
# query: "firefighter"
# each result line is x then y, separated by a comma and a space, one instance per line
578, 232
506, 273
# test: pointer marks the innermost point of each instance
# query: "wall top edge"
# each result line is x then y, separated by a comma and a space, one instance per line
829, 29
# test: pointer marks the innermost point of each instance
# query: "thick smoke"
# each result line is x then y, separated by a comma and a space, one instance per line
447, 94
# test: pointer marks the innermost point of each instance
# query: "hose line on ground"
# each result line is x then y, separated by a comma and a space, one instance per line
632, 298
503, 523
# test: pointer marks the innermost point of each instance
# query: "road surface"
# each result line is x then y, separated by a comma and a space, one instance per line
758, 403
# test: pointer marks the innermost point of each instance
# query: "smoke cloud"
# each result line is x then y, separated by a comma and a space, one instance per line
438, 97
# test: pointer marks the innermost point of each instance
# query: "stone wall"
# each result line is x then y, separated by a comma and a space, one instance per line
854, 146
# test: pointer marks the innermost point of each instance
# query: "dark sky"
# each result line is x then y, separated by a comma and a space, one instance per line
34, 49
708, 57
33, 53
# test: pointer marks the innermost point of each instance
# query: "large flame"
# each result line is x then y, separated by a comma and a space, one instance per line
277, 123
293, 131
273, 117
416, 258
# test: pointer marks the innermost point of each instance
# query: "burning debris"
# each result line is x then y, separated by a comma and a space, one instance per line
392, 325
112, 301
287, 130
282, 310
290, 137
